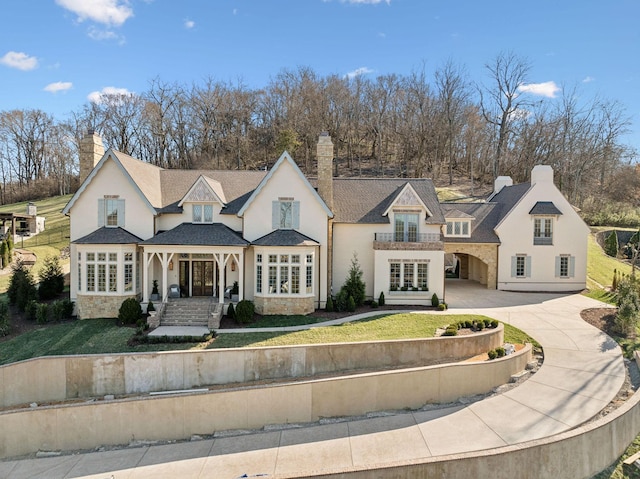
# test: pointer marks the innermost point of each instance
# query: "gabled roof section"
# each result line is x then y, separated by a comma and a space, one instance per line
189, 234
285, 238
483, 216
109, 235
204, 190
508, 197
407, 197
365, 200
545, 208
144, 177
456, 214
285, 157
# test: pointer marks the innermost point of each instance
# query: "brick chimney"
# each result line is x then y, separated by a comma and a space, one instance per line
325, 168
91, 152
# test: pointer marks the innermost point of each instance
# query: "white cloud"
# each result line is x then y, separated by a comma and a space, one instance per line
189, 24
358, 72
107, 12
58, 86
548, 89
98, 96
99, 34
19, 60
588, 79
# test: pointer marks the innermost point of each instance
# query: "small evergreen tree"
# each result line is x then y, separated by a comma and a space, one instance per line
628, 305
4, 254
51, 278
354, 286
329, 306
434, 300
5, 324
381, 298
10, 247
611, 244
351, 304
614, 283
231, 312
22, 287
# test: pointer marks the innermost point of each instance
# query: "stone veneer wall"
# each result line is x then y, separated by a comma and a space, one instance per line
99, 306
284, 305
487, 253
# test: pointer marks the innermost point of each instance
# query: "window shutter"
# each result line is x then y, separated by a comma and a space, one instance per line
295, 215
572, 266
275, 215
513, 266
121, 213
527, 266
100, 213
558, 266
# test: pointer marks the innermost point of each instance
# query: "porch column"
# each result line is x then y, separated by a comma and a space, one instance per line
145, 277
164, 260
220, 261
240, 260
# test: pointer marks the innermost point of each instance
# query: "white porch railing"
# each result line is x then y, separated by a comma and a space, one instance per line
411, 238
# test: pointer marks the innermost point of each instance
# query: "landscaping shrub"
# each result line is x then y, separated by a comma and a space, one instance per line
500, 351
150, 307
442, 306
341, 301
4, 254
329, 306
351, 304
451, 331
231, 312
381, 298
22, 287
130, 311
244, 311
611, 244
492, 354
67, 308
57, 310
480, 325
628, 305
487, 322
494, 323
434, 300
374, 304
5, 324
51, 278
42, 313
31, 309
614, 282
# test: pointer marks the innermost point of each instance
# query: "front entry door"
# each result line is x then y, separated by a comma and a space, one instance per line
202, 276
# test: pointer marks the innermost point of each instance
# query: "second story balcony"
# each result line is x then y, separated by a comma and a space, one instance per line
410, 241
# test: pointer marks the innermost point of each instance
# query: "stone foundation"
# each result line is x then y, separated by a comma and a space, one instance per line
284, 305
102, 306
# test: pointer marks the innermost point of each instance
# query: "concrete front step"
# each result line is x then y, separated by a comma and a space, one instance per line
187, 312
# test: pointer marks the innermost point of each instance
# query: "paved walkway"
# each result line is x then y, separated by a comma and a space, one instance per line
582, 371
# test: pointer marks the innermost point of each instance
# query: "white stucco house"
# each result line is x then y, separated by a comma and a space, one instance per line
288, 240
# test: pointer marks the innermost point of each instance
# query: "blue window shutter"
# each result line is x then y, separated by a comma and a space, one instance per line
513, 266
558, 266
121, 213
295, 215
572, 266
100, 213
275, 215
527, 266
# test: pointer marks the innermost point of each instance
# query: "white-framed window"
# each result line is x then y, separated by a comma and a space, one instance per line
128, 272
521, 266
542, 231
406, 227
101, 272
285, 214
461, 228
408, 274
202, 213
284, 273
111, 211
565, 266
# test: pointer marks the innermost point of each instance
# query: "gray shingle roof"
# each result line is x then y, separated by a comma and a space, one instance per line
109, 235
364, 200
215, 234
545, 208
507, 198
285, 238
483, 224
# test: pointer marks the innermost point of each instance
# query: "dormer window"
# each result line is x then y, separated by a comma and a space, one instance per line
458, 228
203, 213
542, 231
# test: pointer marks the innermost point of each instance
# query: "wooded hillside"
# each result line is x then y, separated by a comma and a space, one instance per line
441, 125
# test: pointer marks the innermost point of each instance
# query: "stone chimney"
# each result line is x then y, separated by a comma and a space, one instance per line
541, 174
91, 152
500, 182
325, 168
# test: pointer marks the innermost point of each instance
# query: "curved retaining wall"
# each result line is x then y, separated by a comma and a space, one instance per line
57, 378
91, 424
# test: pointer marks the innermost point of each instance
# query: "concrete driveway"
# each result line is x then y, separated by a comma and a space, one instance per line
583, 370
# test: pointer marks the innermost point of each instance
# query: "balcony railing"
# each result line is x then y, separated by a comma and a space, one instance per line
411, 238
542, 240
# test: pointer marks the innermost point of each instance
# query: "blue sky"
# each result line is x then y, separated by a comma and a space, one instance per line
54, 54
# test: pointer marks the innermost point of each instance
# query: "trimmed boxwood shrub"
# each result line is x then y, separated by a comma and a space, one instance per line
374, 304
381, 298
130, 311
31, 309
500, 352
329, 306
450, 331
480, 325
434, 300
442, 306
244, 311
351, 304
231, 311
492, 354
42, 313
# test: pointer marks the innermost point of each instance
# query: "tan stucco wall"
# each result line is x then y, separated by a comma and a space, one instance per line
74, 426
479, 253
65, 377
